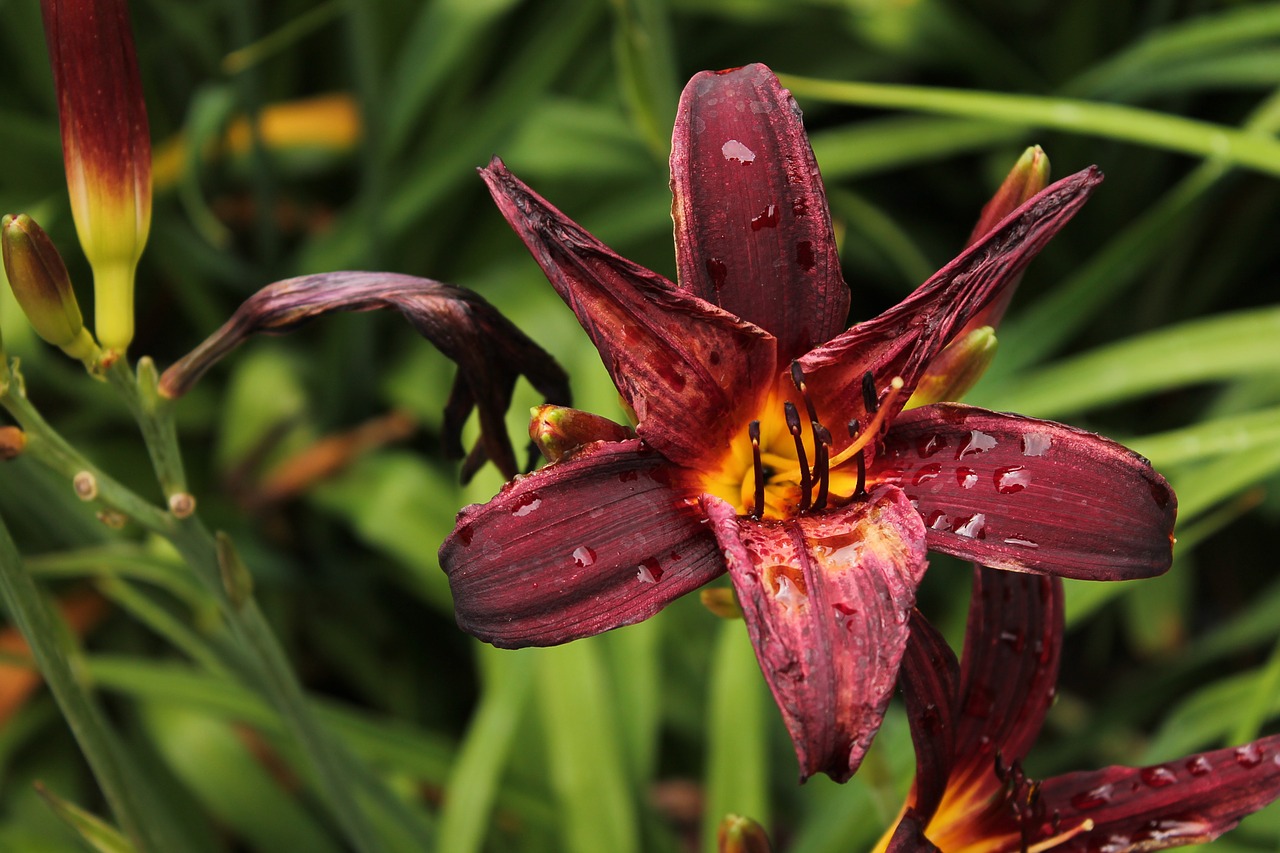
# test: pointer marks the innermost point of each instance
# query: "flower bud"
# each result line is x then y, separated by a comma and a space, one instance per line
42, 287
558, 431
106, 149
739, 834
12, 442
956, 369
1027, 177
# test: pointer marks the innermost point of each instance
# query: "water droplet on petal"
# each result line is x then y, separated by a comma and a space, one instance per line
938, 520
1092, 798
1198, 766
804, 255
928, 445
1021, 542
1011, 480
649, 570
583, 556
927, 472
718, 271
966, 478
465, 533
1159, 776
1249, 755
1036, 444
526, 504
1014, 639
978, 442
735, 150
767, 218
973, 527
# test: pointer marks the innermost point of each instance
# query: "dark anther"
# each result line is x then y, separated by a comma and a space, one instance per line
797, 377
793, 426
753, 430
861, 491
870, 397
821, 463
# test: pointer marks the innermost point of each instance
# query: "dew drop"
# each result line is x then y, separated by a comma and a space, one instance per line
1249, 755
1199, 766
799, 207
1092, 798
804, 255
1021, 542
966, 478
927, 472
844, 616
767, 218
735, 150
526, 504
978, 442
718, 271
465, 533
649, 570
927, 445
1014, 640
973, 527
1159, 776
583, 556
1010, 481
1036, 444
938, 520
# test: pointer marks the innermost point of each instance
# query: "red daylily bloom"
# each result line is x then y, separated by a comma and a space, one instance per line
770, 442
974, 722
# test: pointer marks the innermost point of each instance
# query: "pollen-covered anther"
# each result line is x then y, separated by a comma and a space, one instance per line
757, 508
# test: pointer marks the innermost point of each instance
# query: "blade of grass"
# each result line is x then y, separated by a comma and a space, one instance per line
1090, 118
737, 771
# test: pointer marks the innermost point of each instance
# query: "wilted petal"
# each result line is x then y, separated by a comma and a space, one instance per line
685, 367
605, 538
1187, 801
930, 685
826, 599
489, 350
1029, 495
753, 232
904, 340
1008, 672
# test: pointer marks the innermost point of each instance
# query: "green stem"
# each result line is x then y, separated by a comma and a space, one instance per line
152, 413
30, 612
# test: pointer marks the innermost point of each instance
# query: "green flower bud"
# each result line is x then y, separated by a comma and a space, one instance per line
558, 431
739, 834
956, 369
42, 287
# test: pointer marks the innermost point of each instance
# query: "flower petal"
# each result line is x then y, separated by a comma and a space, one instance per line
602, 539
908, 836
753, 232
930, 684
1009, 672
685, 367
1029, 495
826, 600
491, 353
904, 340
1191, 800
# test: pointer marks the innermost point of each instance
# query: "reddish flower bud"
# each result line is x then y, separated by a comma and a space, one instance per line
42, 286
558, 431
106, 148
739, 834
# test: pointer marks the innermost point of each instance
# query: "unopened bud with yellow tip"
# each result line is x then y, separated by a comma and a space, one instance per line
739, 834
42, 286
558, 431
106, 148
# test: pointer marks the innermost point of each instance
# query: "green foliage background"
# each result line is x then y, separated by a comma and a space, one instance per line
1154, 318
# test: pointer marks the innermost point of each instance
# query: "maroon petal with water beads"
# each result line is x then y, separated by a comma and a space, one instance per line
827, 599
1029, 495
989, 722
756, 413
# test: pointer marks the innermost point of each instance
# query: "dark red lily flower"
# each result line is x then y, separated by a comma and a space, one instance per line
770, 441
974, 722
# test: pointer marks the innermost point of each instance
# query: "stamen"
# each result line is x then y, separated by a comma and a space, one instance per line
873, 428
870, 398
793, 426
753, 430
797, 377
821, 454
861, 491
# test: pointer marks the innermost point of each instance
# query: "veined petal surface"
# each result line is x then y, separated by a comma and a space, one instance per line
826, 599
1018, 493
686, 367
752, 227
602, 539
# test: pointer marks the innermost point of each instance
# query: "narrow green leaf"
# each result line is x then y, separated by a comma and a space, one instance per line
584, 751
737, 773
96, 832
1091, 118
1240, 433
646, 64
